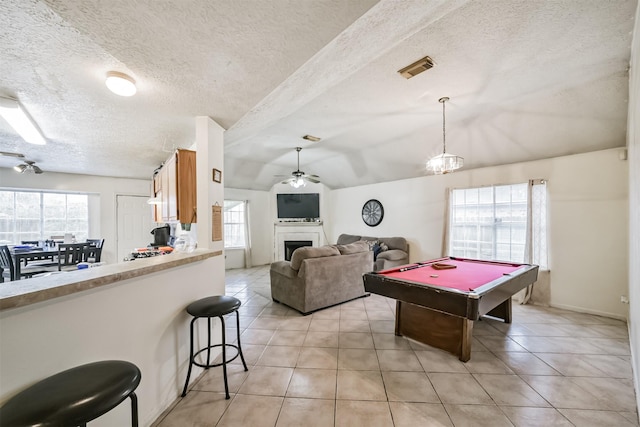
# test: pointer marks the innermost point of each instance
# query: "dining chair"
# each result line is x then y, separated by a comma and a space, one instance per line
8, 267
70, 255
94, 252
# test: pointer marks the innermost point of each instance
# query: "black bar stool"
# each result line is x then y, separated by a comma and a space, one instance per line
75, 396
216, 306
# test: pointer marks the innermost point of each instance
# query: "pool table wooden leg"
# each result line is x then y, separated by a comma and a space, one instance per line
502, 311
437, 329
467, 335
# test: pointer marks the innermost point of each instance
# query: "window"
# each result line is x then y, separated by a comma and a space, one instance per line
492, 222
33, 215
234, 224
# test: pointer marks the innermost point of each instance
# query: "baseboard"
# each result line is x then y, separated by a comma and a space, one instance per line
588, 311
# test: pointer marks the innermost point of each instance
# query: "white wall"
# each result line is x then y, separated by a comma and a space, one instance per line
105, 190
633, 143
588, 221
141, 320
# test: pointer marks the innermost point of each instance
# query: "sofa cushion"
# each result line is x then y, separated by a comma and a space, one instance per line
306, 252
353, 248
392, 255
345, 239
284, 268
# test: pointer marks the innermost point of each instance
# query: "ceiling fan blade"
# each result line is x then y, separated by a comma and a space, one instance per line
308, 178
8, 154
36, 169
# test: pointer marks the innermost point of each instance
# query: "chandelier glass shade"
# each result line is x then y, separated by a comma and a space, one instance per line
445, 162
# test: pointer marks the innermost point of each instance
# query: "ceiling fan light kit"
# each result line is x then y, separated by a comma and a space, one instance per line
445, 162
18, 117
120, 83
29, 167
298, 178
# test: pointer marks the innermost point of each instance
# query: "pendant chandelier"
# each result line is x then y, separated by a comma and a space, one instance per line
444, 163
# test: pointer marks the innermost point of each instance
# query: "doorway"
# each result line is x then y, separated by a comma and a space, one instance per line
134, 222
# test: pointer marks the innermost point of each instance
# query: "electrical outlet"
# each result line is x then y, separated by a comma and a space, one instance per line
624, 299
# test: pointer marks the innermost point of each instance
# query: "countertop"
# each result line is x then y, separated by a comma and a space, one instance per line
20, 293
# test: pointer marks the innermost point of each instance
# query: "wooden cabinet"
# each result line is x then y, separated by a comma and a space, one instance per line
175, 186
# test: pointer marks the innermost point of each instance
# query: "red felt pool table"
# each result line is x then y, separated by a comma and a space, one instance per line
438, 306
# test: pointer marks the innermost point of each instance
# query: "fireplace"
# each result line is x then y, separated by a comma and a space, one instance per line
292, 232
292, 245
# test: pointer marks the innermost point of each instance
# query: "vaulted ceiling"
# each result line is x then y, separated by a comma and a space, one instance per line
526, 80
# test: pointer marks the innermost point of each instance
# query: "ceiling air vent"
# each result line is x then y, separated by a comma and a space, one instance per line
416, 68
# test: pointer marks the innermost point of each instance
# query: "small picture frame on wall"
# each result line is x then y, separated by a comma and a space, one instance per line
217, 175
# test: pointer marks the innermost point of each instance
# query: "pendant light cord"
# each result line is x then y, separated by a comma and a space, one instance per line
444, 137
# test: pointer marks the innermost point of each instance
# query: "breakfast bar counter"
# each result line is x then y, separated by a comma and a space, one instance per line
132, 311
24, 292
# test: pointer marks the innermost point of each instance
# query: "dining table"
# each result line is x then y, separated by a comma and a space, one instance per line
44, 256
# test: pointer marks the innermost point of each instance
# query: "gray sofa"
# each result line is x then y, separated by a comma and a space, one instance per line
397, 252
320, 277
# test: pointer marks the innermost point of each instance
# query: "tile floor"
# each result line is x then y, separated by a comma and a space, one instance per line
343, 366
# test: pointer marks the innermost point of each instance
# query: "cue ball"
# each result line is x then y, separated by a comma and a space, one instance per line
434, 275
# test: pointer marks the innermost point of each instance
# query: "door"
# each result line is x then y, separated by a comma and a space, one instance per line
134, 223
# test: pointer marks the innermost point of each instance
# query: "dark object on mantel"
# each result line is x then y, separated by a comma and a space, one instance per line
75, 396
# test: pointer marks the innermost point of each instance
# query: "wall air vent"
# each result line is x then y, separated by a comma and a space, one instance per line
416, 68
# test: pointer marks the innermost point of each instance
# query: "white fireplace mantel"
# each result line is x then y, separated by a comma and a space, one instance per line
285, 231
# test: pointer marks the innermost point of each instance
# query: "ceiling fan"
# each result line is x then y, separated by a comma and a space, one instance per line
28, 166
299, 178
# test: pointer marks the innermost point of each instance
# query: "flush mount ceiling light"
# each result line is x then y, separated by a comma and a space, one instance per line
444, 163
120, 83
19, 119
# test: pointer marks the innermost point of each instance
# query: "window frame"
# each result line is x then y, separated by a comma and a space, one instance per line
242, 223
493, 223
14, 236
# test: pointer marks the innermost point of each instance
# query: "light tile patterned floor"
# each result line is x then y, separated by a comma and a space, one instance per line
343, 366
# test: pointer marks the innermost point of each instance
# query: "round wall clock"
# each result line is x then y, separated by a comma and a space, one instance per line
372, 212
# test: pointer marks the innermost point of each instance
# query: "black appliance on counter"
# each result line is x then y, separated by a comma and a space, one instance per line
161, 235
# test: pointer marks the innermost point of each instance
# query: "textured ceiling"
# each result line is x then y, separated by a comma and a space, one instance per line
527, 80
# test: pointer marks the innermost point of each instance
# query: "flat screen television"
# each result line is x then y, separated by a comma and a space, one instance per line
299, 206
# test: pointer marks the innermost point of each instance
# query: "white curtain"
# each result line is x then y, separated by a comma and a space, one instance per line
247, 237
535, 251
447, 222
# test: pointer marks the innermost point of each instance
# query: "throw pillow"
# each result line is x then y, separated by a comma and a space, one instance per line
371, 243
376, 250
352, 248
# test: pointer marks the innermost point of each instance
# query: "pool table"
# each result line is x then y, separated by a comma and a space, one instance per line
438, 301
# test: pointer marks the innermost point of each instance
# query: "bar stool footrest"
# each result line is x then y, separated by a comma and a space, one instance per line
205, 366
